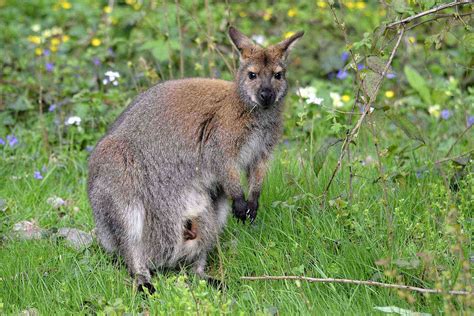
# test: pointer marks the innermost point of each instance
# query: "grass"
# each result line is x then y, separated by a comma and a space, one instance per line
295, 234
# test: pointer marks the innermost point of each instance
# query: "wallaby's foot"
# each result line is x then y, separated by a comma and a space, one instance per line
216, 283
148, 286
252, 207
240, 209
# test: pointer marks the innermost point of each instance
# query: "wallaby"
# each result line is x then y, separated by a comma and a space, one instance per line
160, 179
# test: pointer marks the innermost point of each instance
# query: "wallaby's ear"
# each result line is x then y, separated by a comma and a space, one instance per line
244, 45
285, 46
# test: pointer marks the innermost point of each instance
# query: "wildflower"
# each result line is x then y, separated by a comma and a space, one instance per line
470, 121
412, 40
73, 120
307, 92
445, 114
434, 111
55, 201
360, 67
36, 27
96, 61
391, 75
242, 14
12, 140
322, 4
89, 148
38, 175
336, 99
53, 48
2, 141
314, 100
345, 98
65, 38
350, 5
137, 6
112, 77
65, 5
46, 33
49, 67
46, 52
34, 39
344, 56
55, 41
259, 39
389, 94
341, 74
292, 12
107, 9
268, 14
360, 5
96, 42
289, 34
52, 107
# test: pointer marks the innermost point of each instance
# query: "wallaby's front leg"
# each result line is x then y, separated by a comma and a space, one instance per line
230, 179
256, 175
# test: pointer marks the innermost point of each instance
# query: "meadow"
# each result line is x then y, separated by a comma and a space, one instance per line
373, 179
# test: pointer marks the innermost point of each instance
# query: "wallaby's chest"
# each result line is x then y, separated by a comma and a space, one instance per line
257, 144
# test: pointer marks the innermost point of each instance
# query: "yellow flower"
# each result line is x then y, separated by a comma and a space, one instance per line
292, 12
55, 41
130, 2
434, 110
107, 9
382, 12
96, 42
360, 5
38, 51
137, 6
53, 48
268, 14
34, 39
389, 94
65, 38
289, 34
412, 39
66, 5
345, 98
350, 5
322, 4
242, 14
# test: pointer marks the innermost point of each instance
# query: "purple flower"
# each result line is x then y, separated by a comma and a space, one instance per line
44, 169
49, 67
2, 141
445, 114
470, 121
344, 56
12, 140
341, 74
391, 76
52, 107
89, 148
360, 66
38, 175
96, 61
46, 52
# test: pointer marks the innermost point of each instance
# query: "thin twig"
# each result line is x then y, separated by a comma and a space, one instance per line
358, 282
181, 42
441, 16
458, 139
371, 101
454, 158
430, 11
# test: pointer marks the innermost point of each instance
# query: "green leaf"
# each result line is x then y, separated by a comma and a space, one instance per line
377, 65
468, 42
370, 84
21, 104
322, 153
418, 83
157, 48
406, 126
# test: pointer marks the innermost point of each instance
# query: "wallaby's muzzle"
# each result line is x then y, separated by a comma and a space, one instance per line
266, 97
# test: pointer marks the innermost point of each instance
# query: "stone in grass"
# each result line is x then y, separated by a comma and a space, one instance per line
27, 230
29, 312
75, 238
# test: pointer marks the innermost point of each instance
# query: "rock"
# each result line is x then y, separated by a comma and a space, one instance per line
55, 202
29, 312
27, 230
76, 238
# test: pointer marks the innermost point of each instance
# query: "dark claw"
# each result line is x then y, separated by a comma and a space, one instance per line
148, 286
217, 284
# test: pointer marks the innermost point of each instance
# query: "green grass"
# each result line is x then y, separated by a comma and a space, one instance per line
295, 234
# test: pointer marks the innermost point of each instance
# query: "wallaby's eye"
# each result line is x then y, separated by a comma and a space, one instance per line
252, 75
277, 76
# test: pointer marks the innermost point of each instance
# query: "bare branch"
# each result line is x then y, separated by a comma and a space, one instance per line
358, 282
430, 11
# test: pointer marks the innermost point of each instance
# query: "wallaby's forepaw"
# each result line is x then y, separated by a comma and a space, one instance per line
252, 208
217, 284
148, 286
239, 209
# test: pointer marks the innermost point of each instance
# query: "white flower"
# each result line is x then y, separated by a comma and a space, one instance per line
73, 120
314, 100
259, 39
55, 201
307, 92
36, 27
336, 99
112, 76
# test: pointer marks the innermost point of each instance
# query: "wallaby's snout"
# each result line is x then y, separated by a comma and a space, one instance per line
266, 96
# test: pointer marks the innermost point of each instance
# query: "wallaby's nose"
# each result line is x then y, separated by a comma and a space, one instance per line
266, 96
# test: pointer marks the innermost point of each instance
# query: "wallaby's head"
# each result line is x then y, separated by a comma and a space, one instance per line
261, 76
